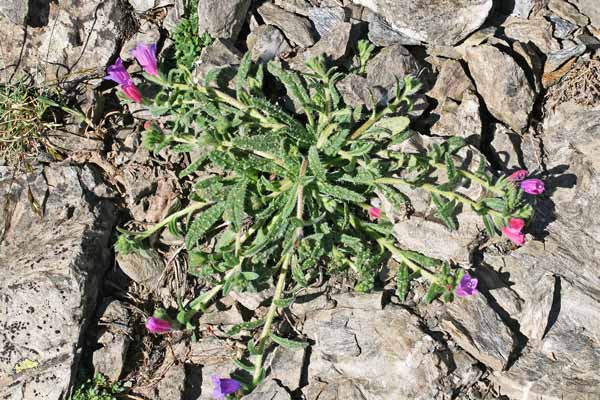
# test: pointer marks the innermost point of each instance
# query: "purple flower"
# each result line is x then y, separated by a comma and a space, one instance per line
157, 325
467, 286
533, 186
224, 387
118, 73
145, 54
518, 176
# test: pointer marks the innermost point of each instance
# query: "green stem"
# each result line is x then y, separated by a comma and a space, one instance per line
471, 176
189, 209
406, 260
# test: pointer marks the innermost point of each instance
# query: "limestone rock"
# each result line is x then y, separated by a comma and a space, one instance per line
503, 85
451, 82
382, 34
16, 11
355, 91
441, 22
144, 268
325, 19
222, 18
296, 28
220, 54
568, 11
270, 389
390, 64
558, 58
505, 145
114, 337
462, 119
267, 43
562, 28
589, 8
536, 30
334, 46
50, 267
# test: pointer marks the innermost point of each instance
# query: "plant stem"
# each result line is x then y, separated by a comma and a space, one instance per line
189, 209
471, 176
406, 260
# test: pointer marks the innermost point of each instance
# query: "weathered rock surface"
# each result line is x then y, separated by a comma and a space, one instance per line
568, 11
355, 91
558, 58
222, 18
296, 28
382, 34
389, 65
325, 19
220, 54
503, 85
590, 9
144, 268
442, 22
535, 30
50, 269
69, 40
334, 45
114, 337
451, 82
267, 43
505, 145
462, 119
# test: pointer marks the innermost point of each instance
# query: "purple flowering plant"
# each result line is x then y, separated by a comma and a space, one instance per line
282, 197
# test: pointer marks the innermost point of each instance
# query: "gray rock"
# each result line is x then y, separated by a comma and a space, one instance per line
144, 268
301, 7
222, 18
172, 384
562, 28
335, 46
15, 10
252, 300
266, 43
452, 82
73, 39
325, 19
270, 389
147, 33
389, 65
50, 267
220, 54
536, 30
382, 34
355, 91
506, 146
522, 8
462, 119
589, 8
207, 357
558, 58
534, 61
479, 330
445, 23
296, 28
568, 12
502, 84
114, 337
141, 6
287, 366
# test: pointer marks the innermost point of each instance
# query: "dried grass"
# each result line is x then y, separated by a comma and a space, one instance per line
581, 85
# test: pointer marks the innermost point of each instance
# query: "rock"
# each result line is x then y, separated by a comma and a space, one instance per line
147, 33
355, 91
568, 12
114, 337
174, 15
51, 265
533, 60
522, 8
358, 353
442, 23
589, 8
502, 84
562, 28
270, 389
536, 30
222, 18
452, 82
252, 300
301, 7
389, 65
462, 119
506, 147
335, 46
325, 19
73, 39
287, 366
382, 34
296, 28
223, 312
172, 384
479, 330
207, 357
16, 11
267, 43
141, 6
144, 268
220, 54
558, 58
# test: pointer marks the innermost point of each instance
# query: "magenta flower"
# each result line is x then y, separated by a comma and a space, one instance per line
132, 92
374, 212
518, 176
467, 286
533, 186
145, 54
157, 325
118, 73
513, 231
224, 387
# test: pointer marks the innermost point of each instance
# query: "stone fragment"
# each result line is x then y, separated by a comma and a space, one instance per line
505, 145
270, 389
355, 91
461, 120
114, 337
301, 7
382, 34
568, 11
296, 28
503, 85
389, 65
335, 46
141, 6
441, 23
144, 268
532, 58
252, 300
147, 33
558, 58
172, 384
267, 43
220, 54
16, 11
590, 9
536, 30
222, 18
521, 8
207, 357
325, 19
51, 264
452, 82
562, 28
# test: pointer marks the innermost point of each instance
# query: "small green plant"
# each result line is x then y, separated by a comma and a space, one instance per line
284, 196
364, 52
25, 118
98, 388
188, 44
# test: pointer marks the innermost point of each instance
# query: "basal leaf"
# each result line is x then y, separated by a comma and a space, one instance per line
202, 223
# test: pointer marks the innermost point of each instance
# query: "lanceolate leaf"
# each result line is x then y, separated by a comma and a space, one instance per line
402, 282
288, 343
340, 192
202, 223
235, 204
314, 163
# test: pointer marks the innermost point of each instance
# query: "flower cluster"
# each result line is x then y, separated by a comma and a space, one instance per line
146, 57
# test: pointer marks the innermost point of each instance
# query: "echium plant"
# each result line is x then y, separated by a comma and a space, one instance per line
277, 197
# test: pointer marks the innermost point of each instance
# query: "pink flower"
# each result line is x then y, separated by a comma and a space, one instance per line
145, 54
132, 92
157, 325
224, 387
374, 213
513, 231
118, 73
533, 186
467, 286
518, 176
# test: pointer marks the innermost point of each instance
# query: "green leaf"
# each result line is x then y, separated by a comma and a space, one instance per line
395, 125
489, 226
252, 350
245, 326
243, 366
402, 282
314, 163
242, 74
450, 168
434, 292
288, 343
445, 210
235, 204
250, 276
193, 167
340, 192
202, 223
284, 303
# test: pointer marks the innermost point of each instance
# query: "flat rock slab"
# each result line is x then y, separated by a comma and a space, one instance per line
222, 18
49, 271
